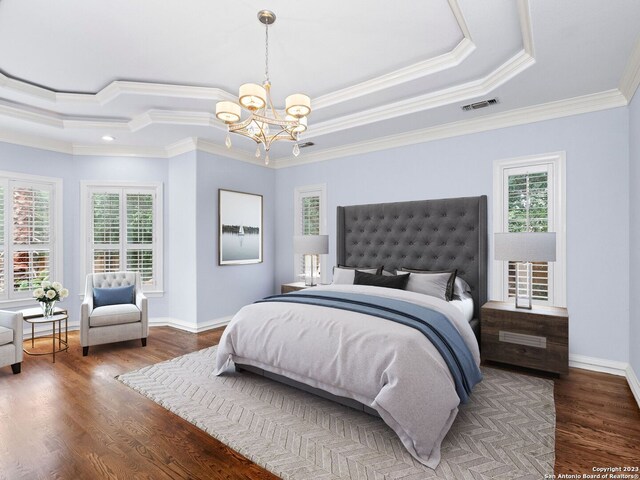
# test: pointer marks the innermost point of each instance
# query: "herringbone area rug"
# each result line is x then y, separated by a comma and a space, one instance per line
506, 431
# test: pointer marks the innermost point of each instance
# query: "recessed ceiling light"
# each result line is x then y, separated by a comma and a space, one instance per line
108, 138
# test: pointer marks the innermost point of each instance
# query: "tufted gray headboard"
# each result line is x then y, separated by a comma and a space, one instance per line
425, 235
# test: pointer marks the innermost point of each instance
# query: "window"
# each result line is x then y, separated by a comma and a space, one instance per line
123, 228
310, 219
529, 197
30, 223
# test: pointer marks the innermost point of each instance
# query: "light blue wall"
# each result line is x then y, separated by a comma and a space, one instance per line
223, 290
72, 170
181, 258
15, 158
634, 264
597, 152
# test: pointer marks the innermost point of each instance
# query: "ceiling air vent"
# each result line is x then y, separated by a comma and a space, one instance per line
482, 104
306, 144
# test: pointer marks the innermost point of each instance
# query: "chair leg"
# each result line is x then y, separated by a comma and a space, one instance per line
144, 342
16, 367
85, 351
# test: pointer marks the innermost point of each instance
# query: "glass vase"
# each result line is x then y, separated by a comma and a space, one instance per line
47, 308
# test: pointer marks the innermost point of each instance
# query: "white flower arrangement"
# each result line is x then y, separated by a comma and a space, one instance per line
50, 292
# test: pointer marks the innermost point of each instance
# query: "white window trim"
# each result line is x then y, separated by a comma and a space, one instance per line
297, 194
56, 262
557, 163
85, 187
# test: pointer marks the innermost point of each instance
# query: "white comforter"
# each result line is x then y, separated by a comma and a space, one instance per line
390, 367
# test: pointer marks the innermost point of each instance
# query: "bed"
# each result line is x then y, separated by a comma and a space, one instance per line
380, 360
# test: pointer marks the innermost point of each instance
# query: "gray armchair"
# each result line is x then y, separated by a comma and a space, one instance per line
113, 323
11, 340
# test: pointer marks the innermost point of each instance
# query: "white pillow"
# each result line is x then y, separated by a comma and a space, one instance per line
345, 276
435, 284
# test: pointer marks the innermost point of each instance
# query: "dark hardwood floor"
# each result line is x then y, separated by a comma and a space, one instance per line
74, 420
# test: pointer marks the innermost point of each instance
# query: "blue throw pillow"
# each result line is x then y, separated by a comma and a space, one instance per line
112, 296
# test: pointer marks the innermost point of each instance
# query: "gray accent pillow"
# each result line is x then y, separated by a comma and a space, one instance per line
461, 288
439, 284
346, 275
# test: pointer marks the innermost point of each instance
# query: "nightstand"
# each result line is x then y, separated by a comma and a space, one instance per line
292, 287
537, 338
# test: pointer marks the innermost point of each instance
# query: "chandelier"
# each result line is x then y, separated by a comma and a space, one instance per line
265, 124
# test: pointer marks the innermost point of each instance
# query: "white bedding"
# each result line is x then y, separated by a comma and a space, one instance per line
390, 367
465, 305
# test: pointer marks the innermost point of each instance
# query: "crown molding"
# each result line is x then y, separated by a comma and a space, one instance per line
208, 146
526, 28
171, 117
630, 80
574, 106
418, 70
32, 141
562, 108
119, 151
512, 67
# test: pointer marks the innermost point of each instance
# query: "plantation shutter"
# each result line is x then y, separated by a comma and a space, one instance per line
122, 235
105, 232
31, 236
528, 198
139, 247
310, 219
310, 223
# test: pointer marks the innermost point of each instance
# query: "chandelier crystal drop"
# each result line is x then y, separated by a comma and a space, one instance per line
265, 124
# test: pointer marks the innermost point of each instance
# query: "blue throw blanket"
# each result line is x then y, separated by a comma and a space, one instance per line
432, 324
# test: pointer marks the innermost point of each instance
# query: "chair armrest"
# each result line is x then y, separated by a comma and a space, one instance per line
142, 304
12, 320
86, 307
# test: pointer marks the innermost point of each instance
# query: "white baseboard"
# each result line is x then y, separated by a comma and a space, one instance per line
598, 364
634, 384
189, 326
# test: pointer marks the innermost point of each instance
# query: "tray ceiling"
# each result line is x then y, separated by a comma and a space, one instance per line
150, 76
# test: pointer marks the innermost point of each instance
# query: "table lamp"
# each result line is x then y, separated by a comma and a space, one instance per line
310, 246
525, 248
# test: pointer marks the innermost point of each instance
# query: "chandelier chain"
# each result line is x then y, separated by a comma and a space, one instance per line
266, 55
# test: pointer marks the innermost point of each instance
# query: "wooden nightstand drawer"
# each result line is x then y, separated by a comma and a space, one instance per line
292, 287
535, 338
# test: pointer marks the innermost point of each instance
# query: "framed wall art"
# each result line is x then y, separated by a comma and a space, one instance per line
240, 228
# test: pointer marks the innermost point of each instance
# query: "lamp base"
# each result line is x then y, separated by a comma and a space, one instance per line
528, 272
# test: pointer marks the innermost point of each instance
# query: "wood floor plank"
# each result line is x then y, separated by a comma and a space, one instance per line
73, 419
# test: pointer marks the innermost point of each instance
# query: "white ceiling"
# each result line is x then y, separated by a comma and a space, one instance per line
150, 75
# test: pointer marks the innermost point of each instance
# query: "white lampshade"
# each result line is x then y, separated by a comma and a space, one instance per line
311, 244
526, 247
302, 123
298, 105
252, 96
228, 112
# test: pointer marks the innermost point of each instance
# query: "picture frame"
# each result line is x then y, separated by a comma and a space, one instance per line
240, 227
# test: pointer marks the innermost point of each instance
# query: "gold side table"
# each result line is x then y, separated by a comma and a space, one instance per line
35, 316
